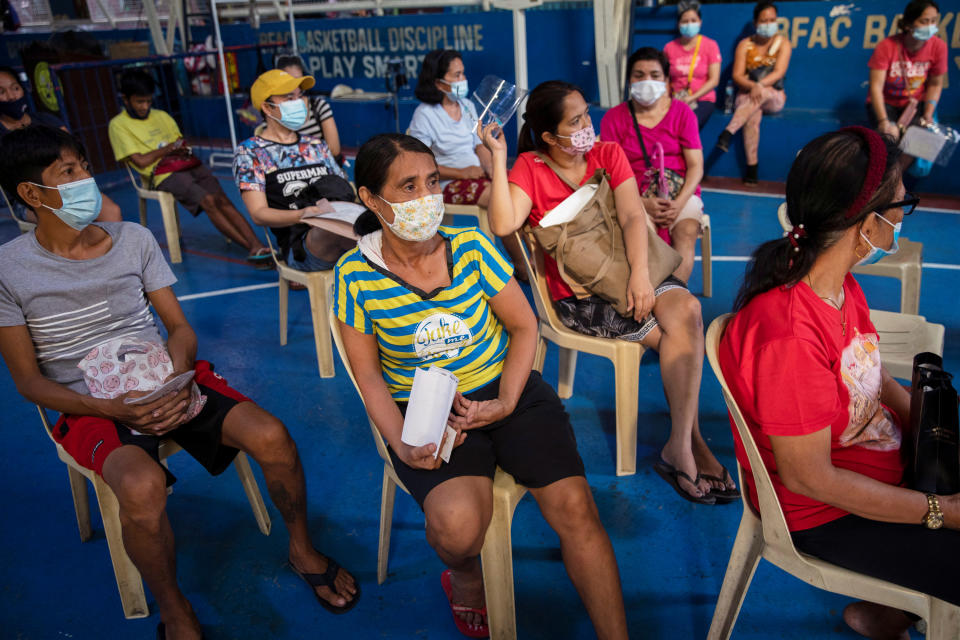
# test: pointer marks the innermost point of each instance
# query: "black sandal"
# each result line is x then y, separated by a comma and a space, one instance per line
670, 473
327, 579
723, 496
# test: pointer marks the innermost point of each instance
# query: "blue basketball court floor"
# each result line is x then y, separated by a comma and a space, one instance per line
672, 554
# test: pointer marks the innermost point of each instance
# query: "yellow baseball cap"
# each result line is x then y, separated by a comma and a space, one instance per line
276, 82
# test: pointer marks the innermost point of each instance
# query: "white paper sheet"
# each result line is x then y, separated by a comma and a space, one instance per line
431, 398
570, 207
922, 143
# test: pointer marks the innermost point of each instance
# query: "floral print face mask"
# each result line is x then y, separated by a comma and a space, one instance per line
415, 220
581, 141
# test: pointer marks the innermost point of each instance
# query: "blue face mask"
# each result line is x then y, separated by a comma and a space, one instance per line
458, 90
293, 113
767, 29
80, 202
876, 253
689, 29
925, 33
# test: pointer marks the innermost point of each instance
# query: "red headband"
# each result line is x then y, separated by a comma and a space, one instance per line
877, 165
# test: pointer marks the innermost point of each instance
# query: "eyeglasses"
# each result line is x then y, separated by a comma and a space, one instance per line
908, 204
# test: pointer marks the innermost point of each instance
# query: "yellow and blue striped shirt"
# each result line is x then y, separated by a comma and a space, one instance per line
453, 328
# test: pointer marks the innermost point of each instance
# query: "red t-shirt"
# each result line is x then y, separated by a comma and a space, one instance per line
678, 130
792, 372
547, 190
907, 72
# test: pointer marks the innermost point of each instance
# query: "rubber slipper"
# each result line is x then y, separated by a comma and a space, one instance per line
263, 253
467, 629
723, 496
670, 473
327, 579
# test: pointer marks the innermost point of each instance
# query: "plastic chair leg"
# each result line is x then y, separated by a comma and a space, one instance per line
129, 582
319, 304
744, 558
944, 623
910, 290
143, 211
250, 487
171, 227
626, 368
284, 300
81, 502
541, 355
387, 494
484, 223
568, 369
706, 260
497, 560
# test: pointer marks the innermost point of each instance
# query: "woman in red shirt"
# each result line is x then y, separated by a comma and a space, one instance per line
804, 364
665, 316
911, 65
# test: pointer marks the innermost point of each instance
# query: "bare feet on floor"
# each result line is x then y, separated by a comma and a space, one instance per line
877, 621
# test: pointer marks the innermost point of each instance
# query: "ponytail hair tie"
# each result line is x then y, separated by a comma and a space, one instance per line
795, 235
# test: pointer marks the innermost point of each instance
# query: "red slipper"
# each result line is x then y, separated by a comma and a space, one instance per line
469, 630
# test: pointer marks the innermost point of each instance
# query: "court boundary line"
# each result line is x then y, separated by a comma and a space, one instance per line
271, 285
734, 192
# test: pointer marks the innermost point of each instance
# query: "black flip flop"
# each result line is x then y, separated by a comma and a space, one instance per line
670, 473
723, 496
327, 579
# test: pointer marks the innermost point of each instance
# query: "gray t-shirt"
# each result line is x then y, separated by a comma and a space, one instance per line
70, 306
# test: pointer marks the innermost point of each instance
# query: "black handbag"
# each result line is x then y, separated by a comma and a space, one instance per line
935, 428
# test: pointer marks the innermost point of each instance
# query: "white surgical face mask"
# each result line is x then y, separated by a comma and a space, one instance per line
925, 33
415, 220
646, 92
767, 29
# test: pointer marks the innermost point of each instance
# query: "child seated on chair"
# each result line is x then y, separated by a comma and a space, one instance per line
71, 285
274, 166
150, 141
414, 294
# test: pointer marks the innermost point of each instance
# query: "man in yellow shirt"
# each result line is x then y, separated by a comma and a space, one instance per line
151, 142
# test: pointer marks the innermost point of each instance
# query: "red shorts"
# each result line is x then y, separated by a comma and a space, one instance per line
464, 191
90, 440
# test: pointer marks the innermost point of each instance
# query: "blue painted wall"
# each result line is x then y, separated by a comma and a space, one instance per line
826, 84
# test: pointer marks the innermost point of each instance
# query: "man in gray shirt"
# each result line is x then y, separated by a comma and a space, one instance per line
71, 285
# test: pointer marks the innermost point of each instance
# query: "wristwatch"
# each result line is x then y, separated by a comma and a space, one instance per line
934, 517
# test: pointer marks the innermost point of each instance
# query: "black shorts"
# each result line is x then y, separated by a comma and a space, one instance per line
909, 555
535, 444
190, 187
893, 114
89, 440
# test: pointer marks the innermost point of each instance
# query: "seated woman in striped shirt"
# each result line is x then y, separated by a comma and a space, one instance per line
414, 294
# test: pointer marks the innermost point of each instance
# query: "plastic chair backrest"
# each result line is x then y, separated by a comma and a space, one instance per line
24, 225
338, 341
533, 259
135, 178
775, 532
782, 217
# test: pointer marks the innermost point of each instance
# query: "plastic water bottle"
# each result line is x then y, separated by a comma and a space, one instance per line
728, 102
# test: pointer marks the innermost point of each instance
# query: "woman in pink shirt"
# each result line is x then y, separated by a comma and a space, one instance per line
656, 130
694, 63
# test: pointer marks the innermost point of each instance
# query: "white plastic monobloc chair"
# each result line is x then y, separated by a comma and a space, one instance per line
318, 285
765, 535
624, 355
497, 553
129, 583
168, 210
902, 336
905, 265
469, 210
